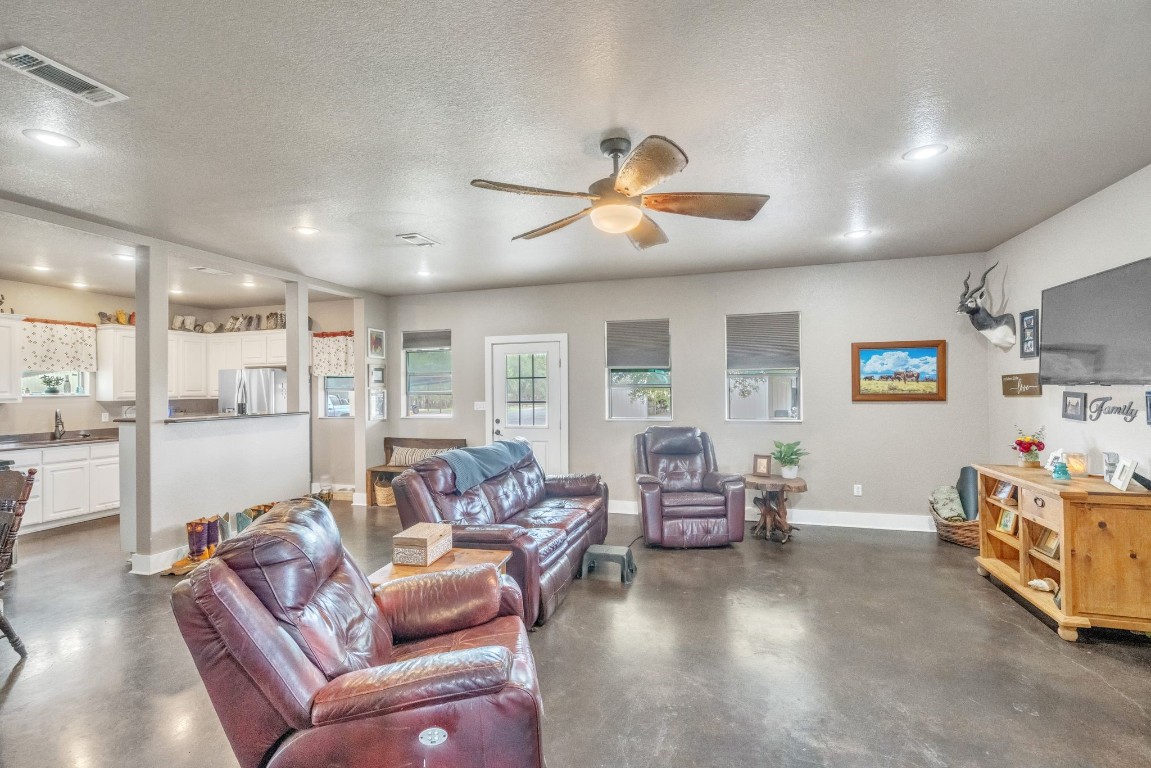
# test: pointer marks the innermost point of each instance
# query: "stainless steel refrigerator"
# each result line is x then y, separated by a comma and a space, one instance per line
253, 390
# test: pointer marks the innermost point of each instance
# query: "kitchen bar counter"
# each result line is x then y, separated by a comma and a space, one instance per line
45, 440
217, 417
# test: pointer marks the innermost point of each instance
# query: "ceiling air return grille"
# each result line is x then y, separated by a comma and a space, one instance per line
28, 62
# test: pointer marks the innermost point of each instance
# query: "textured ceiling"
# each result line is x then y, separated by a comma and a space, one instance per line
368, 120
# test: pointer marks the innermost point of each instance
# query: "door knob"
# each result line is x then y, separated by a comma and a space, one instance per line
498, 433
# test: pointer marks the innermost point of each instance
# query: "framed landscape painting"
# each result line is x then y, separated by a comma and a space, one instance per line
894, 371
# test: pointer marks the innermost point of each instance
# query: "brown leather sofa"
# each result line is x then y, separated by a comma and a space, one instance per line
306, 666
546, 522
684, 501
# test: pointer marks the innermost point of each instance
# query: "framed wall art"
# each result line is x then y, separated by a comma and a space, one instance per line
1029, 333
893, 371
377, 375
375, 343
1075, 406
377, 404
761, 465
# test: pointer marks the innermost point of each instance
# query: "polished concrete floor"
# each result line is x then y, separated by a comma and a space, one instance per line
842, 648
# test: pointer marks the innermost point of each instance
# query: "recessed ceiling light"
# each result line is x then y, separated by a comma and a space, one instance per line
125, 257
175, 291
79, 285
248, 284
925, 152
856, 234
423, 273
51, 138
41, 268
305, 230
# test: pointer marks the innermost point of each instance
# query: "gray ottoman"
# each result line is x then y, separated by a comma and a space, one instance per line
604, 553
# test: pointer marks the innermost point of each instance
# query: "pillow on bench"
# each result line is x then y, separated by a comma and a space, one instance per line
403, 456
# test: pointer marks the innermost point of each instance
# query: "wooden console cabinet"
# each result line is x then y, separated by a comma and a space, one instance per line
1103, 566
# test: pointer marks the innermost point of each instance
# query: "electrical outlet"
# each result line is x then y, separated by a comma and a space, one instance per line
857, 489
480, 405
105, 417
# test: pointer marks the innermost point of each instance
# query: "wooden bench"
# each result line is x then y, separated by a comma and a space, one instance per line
389, 470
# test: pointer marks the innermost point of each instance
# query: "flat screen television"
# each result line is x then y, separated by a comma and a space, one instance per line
1097, 330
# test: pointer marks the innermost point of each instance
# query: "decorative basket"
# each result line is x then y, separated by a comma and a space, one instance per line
965, 534
385, 496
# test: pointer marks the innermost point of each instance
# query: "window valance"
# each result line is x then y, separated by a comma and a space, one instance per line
57, 345
333, 353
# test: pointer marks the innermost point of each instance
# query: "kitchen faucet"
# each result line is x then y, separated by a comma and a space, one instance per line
58, 433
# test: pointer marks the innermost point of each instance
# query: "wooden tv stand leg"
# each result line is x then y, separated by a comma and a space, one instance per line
1070, 634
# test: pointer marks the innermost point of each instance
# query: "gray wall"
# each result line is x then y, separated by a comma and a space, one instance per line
898, 451
1108, 229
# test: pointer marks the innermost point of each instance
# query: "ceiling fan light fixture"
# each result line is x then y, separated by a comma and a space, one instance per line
925, 152
615, 218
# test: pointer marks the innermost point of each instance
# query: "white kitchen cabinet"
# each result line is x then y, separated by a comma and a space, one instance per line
191, 365
115, 362
11, 335
223, 354
277, 347
254, 349
26, 460
66, 490
104, 477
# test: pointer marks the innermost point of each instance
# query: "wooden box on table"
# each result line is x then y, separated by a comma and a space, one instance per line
422, 544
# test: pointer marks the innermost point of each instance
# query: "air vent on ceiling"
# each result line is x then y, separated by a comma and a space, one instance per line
210, 271
415, 238
27, 62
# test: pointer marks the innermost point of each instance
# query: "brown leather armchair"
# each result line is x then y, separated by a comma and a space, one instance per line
307, 666
683, 500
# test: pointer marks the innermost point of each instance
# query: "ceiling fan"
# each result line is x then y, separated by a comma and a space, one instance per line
617, 200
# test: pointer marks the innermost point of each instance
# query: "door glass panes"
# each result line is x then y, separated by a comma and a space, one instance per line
526, 389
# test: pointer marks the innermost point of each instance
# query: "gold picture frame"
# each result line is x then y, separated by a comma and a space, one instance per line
1007, 520
1048, 543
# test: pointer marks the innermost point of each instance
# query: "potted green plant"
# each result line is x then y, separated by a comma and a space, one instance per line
52, 383
788, 456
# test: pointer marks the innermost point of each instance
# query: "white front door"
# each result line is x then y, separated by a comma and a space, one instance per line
527, 396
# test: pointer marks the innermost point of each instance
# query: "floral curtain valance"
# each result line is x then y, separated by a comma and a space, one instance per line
55, 345
333, 353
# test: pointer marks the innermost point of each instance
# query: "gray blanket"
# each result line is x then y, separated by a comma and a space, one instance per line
474, 465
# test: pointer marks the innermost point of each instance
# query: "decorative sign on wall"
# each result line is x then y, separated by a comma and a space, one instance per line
1029, 333
1022, 385
1099, 407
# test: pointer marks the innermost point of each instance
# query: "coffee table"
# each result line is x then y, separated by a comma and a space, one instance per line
772, 504
455, 559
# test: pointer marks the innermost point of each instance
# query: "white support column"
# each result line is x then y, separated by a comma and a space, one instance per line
360, 328
151, 380
299, 346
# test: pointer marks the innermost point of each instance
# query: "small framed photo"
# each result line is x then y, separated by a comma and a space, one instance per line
761, 465
1075, 406
1124, 470
1047, 543
377, 375
377, 404
376, 343
1005, 492
1006, 524
1029, 334
1056, 456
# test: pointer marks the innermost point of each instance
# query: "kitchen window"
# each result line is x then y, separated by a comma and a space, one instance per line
638, 362
763, 367
337, 394
54, 384
427, 374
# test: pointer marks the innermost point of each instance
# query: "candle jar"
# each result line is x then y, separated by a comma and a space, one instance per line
1076, 464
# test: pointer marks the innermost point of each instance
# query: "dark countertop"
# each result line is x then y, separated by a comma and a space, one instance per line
44, 439
217, 417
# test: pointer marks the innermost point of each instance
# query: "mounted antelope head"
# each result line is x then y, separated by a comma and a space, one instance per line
999, 329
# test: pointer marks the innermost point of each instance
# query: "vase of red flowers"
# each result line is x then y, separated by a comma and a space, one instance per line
1029, 447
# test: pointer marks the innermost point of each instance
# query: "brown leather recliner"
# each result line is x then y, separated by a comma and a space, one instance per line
683, 500
306, 666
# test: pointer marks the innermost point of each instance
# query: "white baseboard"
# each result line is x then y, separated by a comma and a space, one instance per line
149, 565
359, 499
883, 521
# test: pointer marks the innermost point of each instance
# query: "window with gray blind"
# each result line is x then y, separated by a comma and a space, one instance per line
638, 355
427, 373
763, 370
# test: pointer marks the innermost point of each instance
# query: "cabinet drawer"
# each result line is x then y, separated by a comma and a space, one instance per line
60, 455
22, 458
104, 450
1039, 506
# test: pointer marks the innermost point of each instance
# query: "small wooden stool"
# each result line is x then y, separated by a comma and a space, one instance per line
606, 553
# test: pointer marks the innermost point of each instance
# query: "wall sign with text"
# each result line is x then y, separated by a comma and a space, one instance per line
1100, 407
1021, 385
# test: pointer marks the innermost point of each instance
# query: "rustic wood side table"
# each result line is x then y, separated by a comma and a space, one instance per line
453, 560
772, 504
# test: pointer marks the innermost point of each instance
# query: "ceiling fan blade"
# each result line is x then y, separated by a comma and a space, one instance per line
553, 226
646, 234
654, 160
709, 205
499, 186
